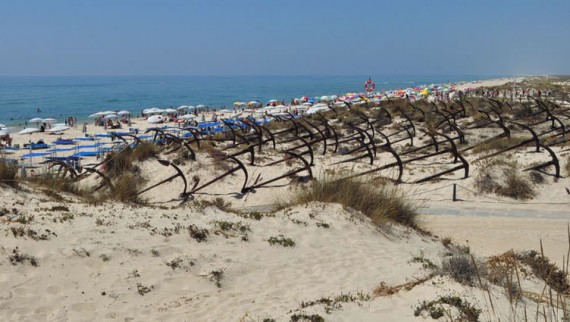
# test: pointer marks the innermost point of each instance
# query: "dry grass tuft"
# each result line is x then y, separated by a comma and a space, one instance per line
54, 184
498, 144
120, 162
144, 151
125, 189
461, 268
381, 204
504, 179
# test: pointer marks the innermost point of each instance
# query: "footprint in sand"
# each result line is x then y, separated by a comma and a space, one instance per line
84, 308
53, 290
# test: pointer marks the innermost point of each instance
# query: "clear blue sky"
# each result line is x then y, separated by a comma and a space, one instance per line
283, 37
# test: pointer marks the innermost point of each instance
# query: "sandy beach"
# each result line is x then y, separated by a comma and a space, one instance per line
63, 259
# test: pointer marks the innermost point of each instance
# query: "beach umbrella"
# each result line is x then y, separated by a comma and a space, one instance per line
225, 111
59, 128
107, 112
123, 113
187, 116
170, 111
49, 120
111, 116
2, 126
36, 120
29, 130
156, 119
201, 106
181, 108
190, 107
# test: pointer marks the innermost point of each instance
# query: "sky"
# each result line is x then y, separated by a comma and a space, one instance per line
283, 37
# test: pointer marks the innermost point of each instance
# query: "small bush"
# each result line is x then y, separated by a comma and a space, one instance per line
281, 240
199, 234
19, 258
378, 203
118, 162
467, 312
536, 177
144, 151
217, 202
54, 183
8, 173
547, 271
301, 317
142, 289
217, 276
504, 179
461, 268
125, 189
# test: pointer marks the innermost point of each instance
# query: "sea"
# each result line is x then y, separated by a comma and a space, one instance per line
59, 97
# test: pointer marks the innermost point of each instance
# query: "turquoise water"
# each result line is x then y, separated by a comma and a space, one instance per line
60, 97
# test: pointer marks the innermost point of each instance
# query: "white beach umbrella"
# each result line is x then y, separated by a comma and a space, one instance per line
59, 128
95, 115
317, 108
190, 107
49, 120
111, 116
187, 116
201, 106
29, 130
123, 113
280, 106
2, 126
107, 112
155, 119
225, 111
170, 110
36, 120
182, 107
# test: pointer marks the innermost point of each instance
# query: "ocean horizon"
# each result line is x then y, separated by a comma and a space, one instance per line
79, 96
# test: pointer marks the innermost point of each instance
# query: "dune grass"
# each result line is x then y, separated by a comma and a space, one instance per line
381, 204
